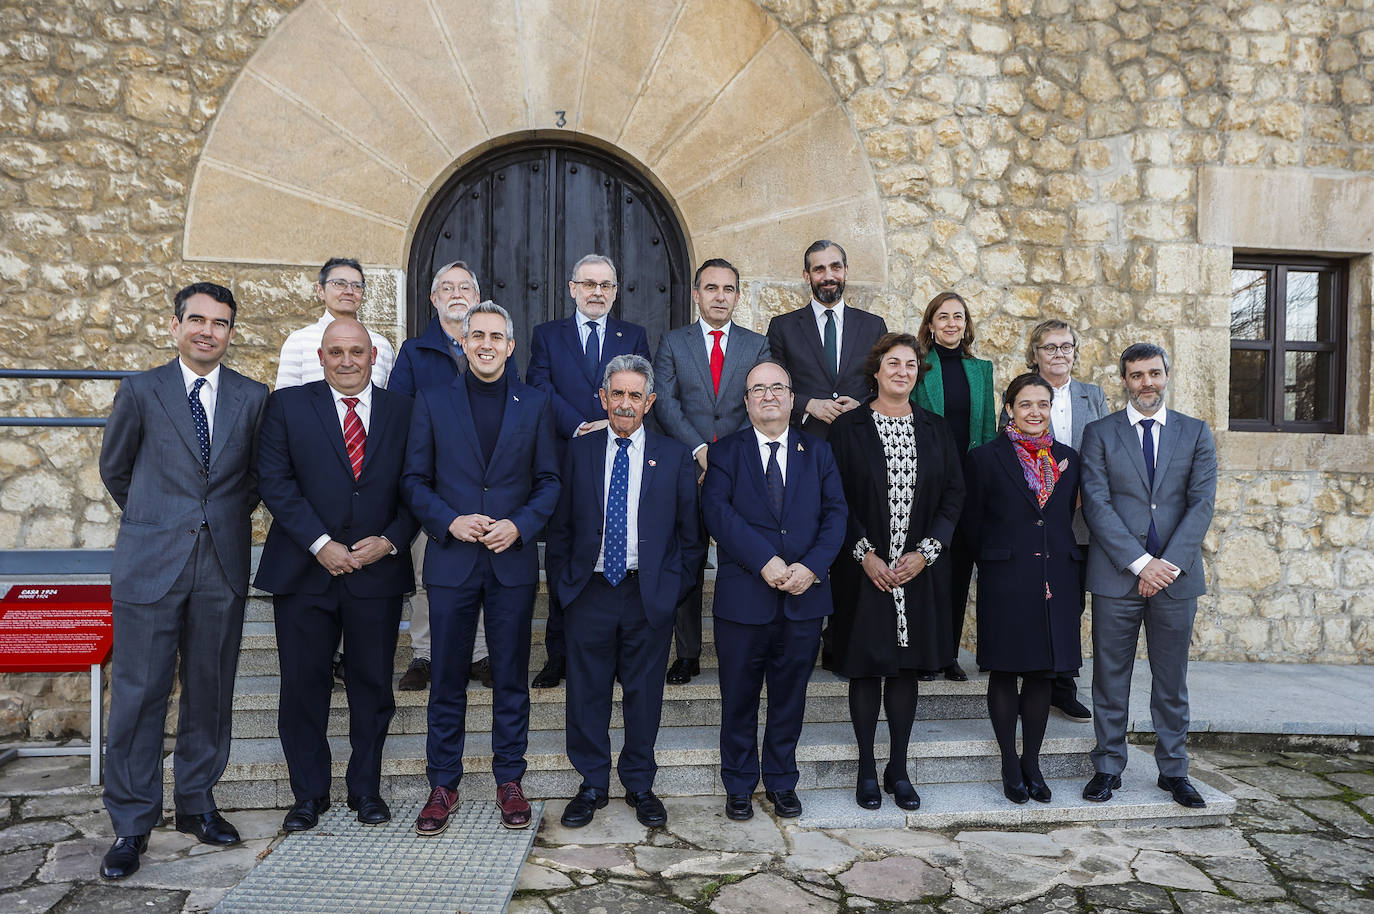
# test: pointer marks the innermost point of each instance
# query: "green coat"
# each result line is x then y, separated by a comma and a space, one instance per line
930, 394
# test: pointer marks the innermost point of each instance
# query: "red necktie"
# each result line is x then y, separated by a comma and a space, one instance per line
355, 436
717, 360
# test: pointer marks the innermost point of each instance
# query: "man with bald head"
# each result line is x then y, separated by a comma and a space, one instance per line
337, 562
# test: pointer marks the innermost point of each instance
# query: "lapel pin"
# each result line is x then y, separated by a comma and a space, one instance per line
515, 398
1063, 464
799, 447
652, 462
618, 333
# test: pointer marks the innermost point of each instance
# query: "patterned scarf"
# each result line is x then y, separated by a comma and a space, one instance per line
1037, 463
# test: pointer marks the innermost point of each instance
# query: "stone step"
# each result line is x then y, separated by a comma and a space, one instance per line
942, 751
694, 704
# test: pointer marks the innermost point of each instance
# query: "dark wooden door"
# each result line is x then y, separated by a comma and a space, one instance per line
522, 216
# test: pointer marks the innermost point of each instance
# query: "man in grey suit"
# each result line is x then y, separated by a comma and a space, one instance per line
699, 371
178, 459
1149, 484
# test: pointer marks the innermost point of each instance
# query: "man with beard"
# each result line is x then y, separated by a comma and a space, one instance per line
823, 345
1149, 486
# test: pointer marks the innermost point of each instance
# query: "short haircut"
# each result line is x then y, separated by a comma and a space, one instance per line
629, 362
333, 262
214, 290
489, 307
1020, 383
821, 246
457, 264
1139, 352
885, 344
593, 258
1038, 334
719, 263
760, 364
928, 340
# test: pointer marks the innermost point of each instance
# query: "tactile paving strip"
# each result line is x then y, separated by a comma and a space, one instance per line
343, 866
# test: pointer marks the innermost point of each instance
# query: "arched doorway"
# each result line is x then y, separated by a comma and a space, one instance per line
523, 215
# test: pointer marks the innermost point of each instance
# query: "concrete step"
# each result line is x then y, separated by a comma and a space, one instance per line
694, 704
942, 751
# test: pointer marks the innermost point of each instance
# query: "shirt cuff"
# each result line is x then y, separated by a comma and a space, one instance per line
1139, 564
697, 448
319, 544
930, 549
862, 548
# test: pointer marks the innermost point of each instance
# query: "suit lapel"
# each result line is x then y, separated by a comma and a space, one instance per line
572, 338
1131, 444
933, 384
754, 468
647, 472
1168, 440
806, 317
798, 462
850, 339
700, 358
376, 428
328, 414
465, 428
171, 390
514, 415
1011, 464
612, 346
1078, 406
736, 360
973, 371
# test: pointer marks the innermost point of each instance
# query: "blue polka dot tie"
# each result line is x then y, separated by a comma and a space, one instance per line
617, 514
202, 423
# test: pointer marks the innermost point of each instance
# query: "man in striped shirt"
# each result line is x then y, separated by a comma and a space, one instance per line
341, 288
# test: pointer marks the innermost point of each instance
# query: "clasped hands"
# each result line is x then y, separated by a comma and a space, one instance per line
828, 410
793, 579
885, 576
496, 535
340, 559
1155, 576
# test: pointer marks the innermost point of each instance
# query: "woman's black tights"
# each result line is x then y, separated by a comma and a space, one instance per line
899, 700
1033, 707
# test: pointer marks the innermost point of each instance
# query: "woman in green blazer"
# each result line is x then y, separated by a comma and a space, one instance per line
959, 387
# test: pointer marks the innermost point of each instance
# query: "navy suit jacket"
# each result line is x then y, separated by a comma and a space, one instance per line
558, 367
307, 483
425, 361
445, 476
735, 504
670, 547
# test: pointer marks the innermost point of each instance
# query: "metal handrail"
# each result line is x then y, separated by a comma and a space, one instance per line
59, 374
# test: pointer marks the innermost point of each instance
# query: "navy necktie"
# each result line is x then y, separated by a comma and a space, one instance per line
773, 476
593, 352
1147, 446
201, 421
832, 349
617, 514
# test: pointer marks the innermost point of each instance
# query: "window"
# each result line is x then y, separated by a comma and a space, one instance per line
1287, 344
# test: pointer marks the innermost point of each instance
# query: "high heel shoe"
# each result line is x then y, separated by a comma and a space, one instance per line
1016, 792
867, 795
1036, 788
903, 793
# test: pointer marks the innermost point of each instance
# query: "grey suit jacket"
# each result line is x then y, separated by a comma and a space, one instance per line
687, 406
150, 463
1119, 505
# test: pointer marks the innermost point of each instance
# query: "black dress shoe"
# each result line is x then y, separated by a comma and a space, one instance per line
867, 794
555, 668
927, 675
682, 671
371, 810
648, 808
955, 673
304, 815
481, 671
1015, 791
785, 803
739, 806
1185, 794
903, 793
1036, 787
1073, 709
122, 858
1099, 788
583, 807
209, 828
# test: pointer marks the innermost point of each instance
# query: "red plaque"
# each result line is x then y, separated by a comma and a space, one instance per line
55, 628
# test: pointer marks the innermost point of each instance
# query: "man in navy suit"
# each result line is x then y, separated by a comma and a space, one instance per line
622, 550
700, 371
568, 359
772, 499
337, 561
481, 474
824, 344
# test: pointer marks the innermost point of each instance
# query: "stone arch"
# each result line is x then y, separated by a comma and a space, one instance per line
353, 112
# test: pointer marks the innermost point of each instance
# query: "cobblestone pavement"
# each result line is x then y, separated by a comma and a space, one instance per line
1302, 840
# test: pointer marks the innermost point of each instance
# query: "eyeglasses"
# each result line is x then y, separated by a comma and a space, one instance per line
758, 390
448, 288
590, 286
1051, 349
339, 285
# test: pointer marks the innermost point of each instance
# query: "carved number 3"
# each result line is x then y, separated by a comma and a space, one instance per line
562, 118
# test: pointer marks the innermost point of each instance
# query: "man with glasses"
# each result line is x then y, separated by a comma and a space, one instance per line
341, 288
773, 501
567, 360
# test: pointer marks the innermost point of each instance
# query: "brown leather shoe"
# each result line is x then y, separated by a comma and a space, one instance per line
433, 819
416, 678
515, 809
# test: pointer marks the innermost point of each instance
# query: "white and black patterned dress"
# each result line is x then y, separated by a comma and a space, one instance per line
899, 449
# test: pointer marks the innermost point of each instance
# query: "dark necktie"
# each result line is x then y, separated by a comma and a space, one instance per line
201, 421
617, 514
773, 476
832, 348
1147, 447
355, 436
593, 352
717, 360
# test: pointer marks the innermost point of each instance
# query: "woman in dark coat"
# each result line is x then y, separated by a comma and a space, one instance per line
901, 476
1022, 489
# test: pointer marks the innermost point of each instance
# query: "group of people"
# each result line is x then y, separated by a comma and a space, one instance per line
851, 478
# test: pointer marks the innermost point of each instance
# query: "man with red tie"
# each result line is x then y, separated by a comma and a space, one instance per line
700, 371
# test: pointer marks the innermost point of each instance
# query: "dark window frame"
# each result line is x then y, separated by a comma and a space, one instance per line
1333, 282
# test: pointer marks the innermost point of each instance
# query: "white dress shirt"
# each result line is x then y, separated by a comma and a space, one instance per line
582, 331
1061, 414
1134, 416
300, 356
364, 410
636, 450
209, 393
819, 310
707, 330
765, 451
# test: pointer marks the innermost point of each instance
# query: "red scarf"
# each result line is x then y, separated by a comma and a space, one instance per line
1037, 463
